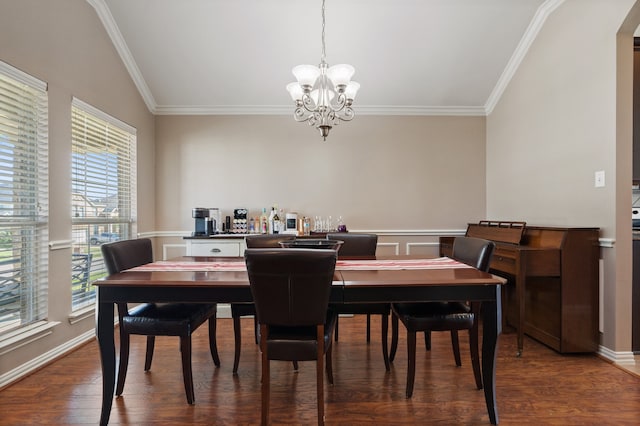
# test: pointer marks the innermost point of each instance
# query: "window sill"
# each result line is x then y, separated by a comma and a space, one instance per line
82, 314
25, 335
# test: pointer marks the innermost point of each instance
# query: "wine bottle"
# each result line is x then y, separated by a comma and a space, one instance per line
276, 222
270, 225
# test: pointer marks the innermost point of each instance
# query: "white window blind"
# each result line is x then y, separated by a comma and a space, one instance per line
103, 179
24, 192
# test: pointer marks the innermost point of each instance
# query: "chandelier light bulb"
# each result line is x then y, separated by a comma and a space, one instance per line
340, 75
351, 90
295, 91
306, 75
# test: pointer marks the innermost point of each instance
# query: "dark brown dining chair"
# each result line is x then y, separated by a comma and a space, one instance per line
445, 316
359, 244
239, 310
155, 319
291, 289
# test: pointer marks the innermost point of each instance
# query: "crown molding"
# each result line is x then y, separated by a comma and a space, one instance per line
516, 59
288, 110
123, 50
127, 58
223, 110
420, 110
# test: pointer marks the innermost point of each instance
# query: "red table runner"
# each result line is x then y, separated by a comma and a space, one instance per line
341, 265
374, 265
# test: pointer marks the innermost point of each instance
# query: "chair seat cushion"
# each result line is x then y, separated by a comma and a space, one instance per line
362, 308
169, 319
298, 343
434, 316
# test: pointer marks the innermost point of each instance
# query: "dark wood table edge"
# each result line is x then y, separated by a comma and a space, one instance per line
108, 295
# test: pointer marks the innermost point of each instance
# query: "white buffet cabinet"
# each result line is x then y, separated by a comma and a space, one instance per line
222, 245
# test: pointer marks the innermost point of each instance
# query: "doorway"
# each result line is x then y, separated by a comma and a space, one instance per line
635, 298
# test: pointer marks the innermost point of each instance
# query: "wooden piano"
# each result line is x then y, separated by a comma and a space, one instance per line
552, 289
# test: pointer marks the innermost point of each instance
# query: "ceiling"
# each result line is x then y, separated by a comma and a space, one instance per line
412, 57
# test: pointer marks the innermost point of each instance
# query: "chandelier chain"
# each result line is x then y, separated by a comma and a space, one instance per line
324, 56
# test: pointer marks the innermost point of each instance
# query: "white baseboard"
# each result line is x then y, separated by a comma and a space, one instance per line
44, 359
620, 358
224, 310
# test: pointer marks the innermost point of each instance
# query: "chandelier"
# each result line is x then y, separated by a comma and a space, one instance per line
323, 95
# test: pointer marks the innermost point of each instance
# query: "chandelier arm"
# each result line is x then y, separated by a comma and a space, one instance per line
300, 114
308, 103
347, 114
331, 116
315, 119
340, 102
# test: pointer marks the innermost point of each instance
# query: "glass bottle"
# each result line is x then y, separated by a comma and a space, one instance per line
276, 222
341, 226
306, 226
264, 220
270, 223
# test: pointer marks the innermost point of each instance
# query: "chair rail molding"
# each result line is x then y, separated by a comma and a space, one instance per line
606, 242
603, 242
380, 232
60, 244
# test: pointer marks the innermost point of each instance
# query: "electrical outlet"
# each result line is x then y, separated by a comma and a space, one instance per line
599, 179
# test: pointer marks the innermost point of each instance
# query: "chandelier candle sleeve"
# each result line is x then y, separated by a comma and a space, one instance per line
323, 95
340, 75
306, 76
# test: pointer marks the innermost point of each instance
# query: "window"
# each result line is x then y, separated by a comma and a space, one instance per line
103, 196
24, 193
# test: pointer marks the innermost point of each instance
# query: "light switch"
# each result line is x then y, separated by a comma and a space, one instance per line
599, 179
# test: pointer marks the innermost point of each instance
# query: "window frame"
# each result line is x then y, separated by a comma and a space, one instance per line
92, 226
24, 141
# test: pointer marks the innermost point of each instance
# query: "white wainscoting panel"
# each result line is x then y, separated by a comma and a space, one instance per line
170, 251
395, 247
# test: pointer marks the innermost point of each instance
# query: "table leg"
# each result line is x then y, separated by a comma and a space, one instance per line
491, 328
104, 333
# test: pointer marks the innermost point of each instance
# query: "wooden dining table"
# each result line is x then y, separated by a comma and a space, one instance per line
356, 280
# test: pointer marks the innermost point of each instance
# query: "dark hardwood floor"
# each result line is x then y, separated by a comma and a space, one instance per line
540, 388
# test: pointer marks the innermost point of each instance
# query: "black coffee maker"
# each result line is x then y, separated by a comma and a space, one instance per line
205, 225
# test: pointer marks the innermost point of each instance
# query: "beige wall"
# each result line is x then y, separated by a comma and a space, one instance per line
553, 128
555, 125
63, 43
378, 173
393, 173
